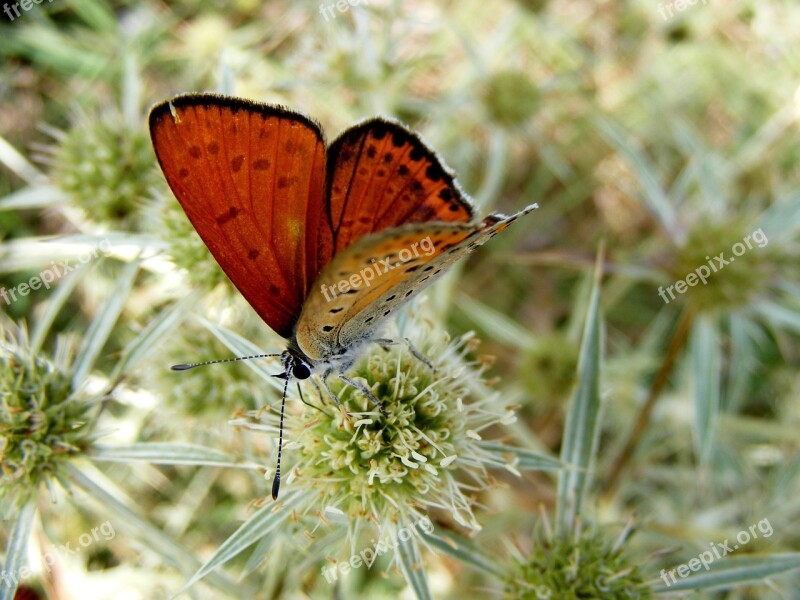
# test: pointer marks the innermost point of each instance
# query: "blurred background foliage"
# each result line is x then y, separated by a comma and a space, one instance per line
667, 135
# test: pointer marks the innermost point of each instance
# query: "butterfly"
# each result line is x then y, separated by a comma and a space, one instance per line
325, 241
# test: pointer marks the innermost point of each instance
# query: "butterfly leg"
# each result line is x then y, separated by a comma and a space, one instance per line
385, 343
366, 391
332, 395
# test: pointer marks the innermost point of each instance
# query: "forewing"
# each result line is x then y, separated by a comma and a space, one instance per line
251, 179
380, 176
336, 316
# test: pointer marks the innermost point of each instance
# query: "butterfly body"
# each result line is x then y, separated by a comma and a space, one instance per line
324, 241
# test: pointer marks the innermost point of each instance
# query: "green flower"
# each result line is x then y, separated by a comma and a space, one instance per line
425, 453
105, 166
566, 568
43, 420
511, 98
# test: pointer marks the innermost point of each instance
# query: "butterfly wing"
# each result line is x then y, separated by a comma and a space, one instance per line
251, 179
382, 175
369, 280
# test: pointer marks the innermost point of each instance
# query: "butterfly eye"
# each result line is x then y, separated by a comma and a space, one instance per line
301, 371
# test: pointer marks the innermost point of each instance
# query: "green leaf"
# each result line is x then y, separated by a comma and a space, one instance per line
259, 525
654, 193
98, 331
119, 507
156, 331
732, 572
463, 550
495, 324
582, 426
706, 359
39, 196
781, 220
166, 453
779, 316
54, 305
409, 559
526, 459
15, 550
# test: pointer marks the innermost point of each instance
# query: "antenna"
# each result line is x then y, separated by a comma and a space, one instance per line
276, 483
186, 367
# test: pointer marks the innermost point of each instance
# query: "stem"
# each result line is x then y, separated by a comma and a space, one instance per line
643, 419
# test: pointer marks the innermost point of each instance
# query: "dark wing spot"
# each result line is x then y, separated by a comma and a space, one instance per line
428, 268
363, 172
416, 154
387, 158
237, 162
412, 269
424, 279
184, 172
232, 213
327, 328
409, 292
367, 320
261, 164
351, 292
454, 208
387, 312
371, 151
253, 254
402, 170
390, 298
195, 152
381, 172
213, 148
446, 194
274, 290
399, 138
336, 310
365, 221
434, 173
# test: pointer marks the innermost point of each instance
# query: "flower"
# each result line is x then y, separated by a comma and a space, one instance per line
105, 166
584, 566
425, 453
43, 420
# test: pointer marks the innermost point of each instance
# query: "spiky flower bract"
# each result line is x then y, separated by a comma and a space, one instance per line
43, 420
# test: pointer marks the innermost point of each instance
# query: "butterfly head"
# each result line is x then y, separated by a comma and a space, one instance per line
296, 365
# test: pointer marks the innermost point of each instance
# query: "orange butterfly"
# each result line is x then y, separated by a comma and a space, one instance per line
324, 242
